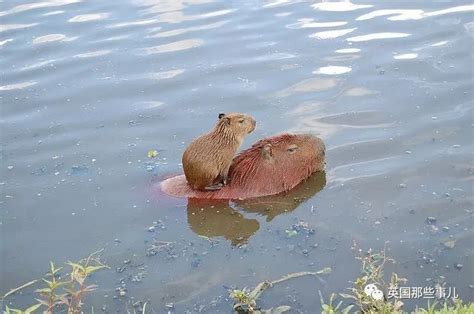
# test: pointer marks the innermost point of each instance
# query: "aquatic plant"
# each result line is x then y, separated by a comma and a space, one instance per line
61, 293
245, 300
372, 276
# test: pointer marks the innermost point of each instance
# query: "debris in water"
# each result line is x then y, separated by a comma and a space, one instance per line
291, 233
152, 153
450, 244
302, 227
431, 220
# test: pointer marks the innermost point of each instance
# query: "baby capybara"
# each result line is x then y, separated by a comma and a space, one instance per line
206, 161
271, 166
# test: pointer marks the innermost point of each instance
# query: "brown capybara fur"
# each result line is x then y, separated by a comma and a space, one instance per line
271, 166
207, 159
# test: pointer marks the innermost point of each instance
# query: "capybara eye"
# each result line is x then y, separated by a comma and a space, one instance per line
292, 149
241, 121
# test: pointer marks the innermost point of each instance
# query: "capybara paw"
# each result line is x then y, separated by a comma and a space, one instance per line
214, 187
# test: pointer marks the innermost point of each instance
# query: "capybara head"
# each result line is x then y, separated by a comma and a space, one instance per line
238, 124
278, 164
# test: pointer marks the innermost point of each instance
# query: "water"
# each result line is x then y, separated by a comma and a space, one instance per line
89, 87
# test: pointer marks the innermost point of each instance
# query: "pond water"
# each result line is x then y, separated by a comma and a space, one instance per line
89, 87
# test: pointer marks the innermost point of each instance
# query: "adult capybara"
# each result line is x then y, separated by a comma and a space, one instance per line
207, 159
271, 166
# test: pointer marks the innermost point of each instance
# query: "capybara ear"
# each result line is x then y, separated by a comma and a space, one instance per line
221, 115
267, 151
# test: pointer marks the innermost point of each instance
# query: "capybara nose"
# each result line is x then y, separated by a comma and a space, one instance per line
254, 123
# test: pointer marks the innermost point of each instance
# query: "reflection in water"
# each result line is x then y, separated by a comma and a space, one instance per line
332, 70
215, 218
332, 34
180, 31
175, 46
359, 91
308, 23
179, 17
93, 54
3, 42
413, 14
54, 13
340, 6
133, 23
375, 36
16, 86
399, 15
272, 206
9, 27
88, 17
37, 5
348, 50
52, 38
163, 75
406, 56
308, 85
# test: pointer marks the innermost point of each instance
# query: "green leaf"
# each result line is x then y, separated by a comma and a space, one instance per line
44, 290
91, 269
347, 296
347, 309
32, 308
76, 266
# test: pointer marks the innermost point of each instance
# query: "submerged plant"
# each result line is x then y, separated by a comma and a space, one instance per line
62, 293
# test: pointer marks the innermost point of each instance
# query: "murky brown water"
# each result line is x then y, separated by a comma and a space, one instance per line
88, 87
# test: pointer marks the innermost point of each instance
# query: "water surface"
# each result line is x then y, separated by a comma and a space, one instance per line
88, 87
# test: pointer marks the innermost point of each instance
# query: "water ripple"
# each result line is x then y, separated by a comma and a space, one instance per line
376, 36
8, 27
180, 31
308, 85
332, 34
92, 54
16, 86
88, 17
405, 56
171, 47
37, 5
413, 14
341, 6
308, 23
348, 50
332, 70
51, 38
